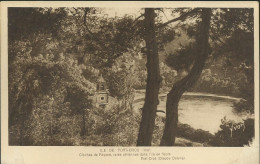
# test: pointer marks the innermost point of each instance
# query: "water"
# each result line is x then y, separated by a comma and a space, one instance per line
201, 111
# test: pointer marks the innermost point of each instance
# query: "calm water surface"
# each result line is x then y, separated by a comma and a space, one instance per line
201, 111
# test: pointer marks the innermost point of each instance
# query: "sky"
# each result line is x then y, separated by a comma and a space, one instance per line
135, 12
120, 12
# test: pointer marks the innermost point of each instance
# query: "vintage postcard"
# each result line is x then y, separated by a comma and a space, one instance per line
141, 82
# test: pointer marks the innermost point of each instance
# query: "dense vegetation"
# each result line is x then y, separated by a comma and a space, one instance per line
57, 55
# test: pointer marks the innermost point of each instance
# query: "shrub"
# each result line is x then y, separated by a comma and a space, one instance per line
234, 134
183, 131
196, 135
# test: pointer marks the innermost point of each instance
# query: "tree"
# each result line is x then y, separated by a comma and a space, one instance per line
231, 39
22, 22
40, 68
33, 79
173, 97
99, 36
154, 41
53, 65
153, 81
24, 33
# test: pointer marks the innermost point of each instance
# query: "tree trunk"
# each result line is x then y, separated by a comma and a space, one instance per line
174, 96
153, 82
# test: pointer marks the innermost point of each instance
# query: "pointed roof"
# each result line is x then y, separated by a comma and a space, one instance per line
101, 79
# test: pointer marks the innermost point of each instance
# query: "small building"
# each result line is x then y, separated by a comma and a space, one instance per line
101, 94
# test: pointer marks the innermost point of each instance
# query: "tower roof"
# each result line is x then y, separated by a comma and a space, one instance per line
101, 79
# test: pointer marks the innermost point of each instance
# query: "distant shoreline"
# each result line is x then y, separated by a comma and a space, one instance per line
190, 94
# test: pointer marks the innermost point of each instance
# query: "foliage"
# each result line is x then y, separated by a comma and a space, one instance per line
56, 55
99, 41
183, 58
141, 79
242, 133
35, 78
168, 75
231, 40
51, 123
114, 126
183, 131
197, 135
158, 129
215, 82
227, 20
233, 73
22, 22
234, 134
121, 77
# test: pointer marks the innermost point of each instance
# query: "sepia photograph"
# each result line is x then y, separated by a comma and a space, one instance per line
132, 77
145, 77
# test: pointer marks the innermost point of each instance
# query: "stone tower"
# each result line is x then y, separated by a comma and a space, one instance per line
101, 93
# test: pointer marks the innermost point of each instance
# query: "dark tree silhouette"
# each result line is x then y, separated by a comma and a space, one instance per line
153, 81
173, 97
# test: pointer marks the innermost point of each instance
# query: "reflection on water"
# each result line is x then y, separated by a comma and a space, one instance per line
201, 112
